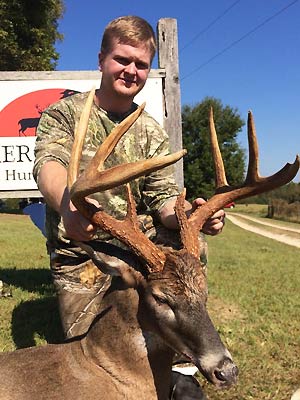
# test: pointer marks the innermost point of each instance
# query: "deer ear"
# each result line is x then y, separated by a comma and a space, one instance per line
114, 261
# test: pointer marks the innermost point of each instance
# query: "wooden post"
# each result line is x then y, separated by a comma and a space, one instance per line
168, 60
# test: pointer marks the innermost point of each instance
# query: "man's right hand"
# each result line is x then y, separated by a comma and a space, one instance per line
52, 182
76, 225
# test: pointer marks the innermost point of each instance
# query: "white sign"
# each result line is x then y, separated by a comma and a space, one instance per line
16, 161
21, 105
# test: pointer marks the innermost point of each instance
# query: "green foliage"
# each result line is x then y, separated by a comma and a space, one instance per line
256, 210
289, 193
28, 32
281, 209
10, 206
198, 165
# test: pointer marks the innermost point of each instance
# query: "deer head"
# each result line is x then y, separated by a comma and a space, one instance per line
173, 287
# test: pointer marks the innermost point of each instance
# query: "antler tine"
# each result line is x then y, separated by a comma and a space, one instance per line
220, 175
79, 136
95, 179
253, 185
92, 181
113, 138
253, 180
252, 173
188, 231
104, 150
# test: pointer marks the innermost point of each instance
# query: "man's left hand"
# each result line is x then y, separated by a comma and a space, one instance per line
214, 225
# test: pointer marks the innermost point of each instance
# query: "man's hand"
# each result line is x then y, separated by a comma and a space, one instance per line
52, 182
214, 225
76, 225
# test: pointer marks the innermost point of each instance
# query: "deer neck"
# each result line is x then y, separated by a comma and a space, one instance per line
120, 344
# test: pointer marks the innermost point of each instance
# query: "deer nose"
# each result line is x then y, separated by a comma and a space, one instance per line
227, 373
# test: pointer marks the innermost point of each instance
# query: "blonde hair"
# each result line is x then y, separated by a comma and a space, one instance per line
130, 30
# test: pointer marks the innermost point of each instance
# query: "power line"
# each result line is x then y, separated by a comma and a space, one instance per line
209, 26
256, 28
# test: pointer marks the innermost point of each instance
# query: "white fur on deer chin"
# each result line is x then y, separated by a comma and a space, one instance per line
211, 359
188, 369
296, 395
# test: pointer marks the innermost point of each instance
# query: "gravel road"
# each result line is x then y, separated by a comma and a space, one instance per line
282, 233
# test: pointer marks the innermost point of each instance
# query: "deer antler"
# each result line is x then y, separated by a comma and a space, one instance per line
96, 179
254, 184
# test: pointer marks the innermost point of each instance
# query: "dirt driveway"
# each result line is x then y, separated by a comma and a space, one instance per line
281, 233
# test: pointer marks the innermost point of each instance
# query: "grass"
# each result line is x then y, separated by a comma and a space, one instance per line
259, 280
257, 210
287, 217
254, 302
30, 316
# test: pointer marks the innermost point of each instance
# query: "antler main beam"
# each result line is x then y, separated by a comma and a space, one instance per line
253, 185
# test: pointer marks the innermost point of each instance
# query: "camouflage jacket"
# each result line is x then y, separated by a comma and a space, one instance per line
145, 139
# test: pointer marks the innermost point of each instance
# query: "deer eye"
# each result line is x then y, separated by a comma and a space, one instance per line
160, 299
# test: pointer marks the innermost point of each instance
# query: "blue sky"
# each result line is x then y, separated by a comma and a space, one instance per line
245, 53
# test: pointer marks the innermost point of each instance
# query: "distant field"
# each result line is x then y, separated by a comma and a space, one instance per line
259, 210
288, 212
254, 301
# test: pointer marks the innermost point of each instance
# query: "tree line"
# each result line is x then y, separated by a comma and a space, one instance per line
28, 33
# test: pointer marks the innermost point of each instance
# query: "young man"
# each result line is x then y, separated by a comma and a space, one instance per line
127, 50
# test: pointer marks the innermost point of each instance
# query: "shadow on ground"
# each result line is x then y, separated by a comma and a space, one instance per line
37, 317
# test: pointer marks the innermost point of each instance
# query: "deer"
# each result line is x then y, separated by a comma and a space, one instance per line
156, 303
26, 123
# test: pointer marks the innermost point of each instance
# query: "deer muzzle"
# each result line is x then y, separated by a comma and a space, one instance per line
222, 373
226, 375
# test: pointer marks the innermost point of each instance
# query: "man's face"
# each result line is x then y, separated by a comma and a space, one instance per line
125, 69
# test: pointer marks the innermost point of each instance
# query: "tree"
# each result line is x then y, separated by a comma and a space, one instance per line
198, 165
28, 32
290, 193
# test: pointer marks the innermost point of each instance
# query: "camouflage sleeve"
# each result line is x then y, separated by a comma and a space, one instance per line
159, 186
54, 136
